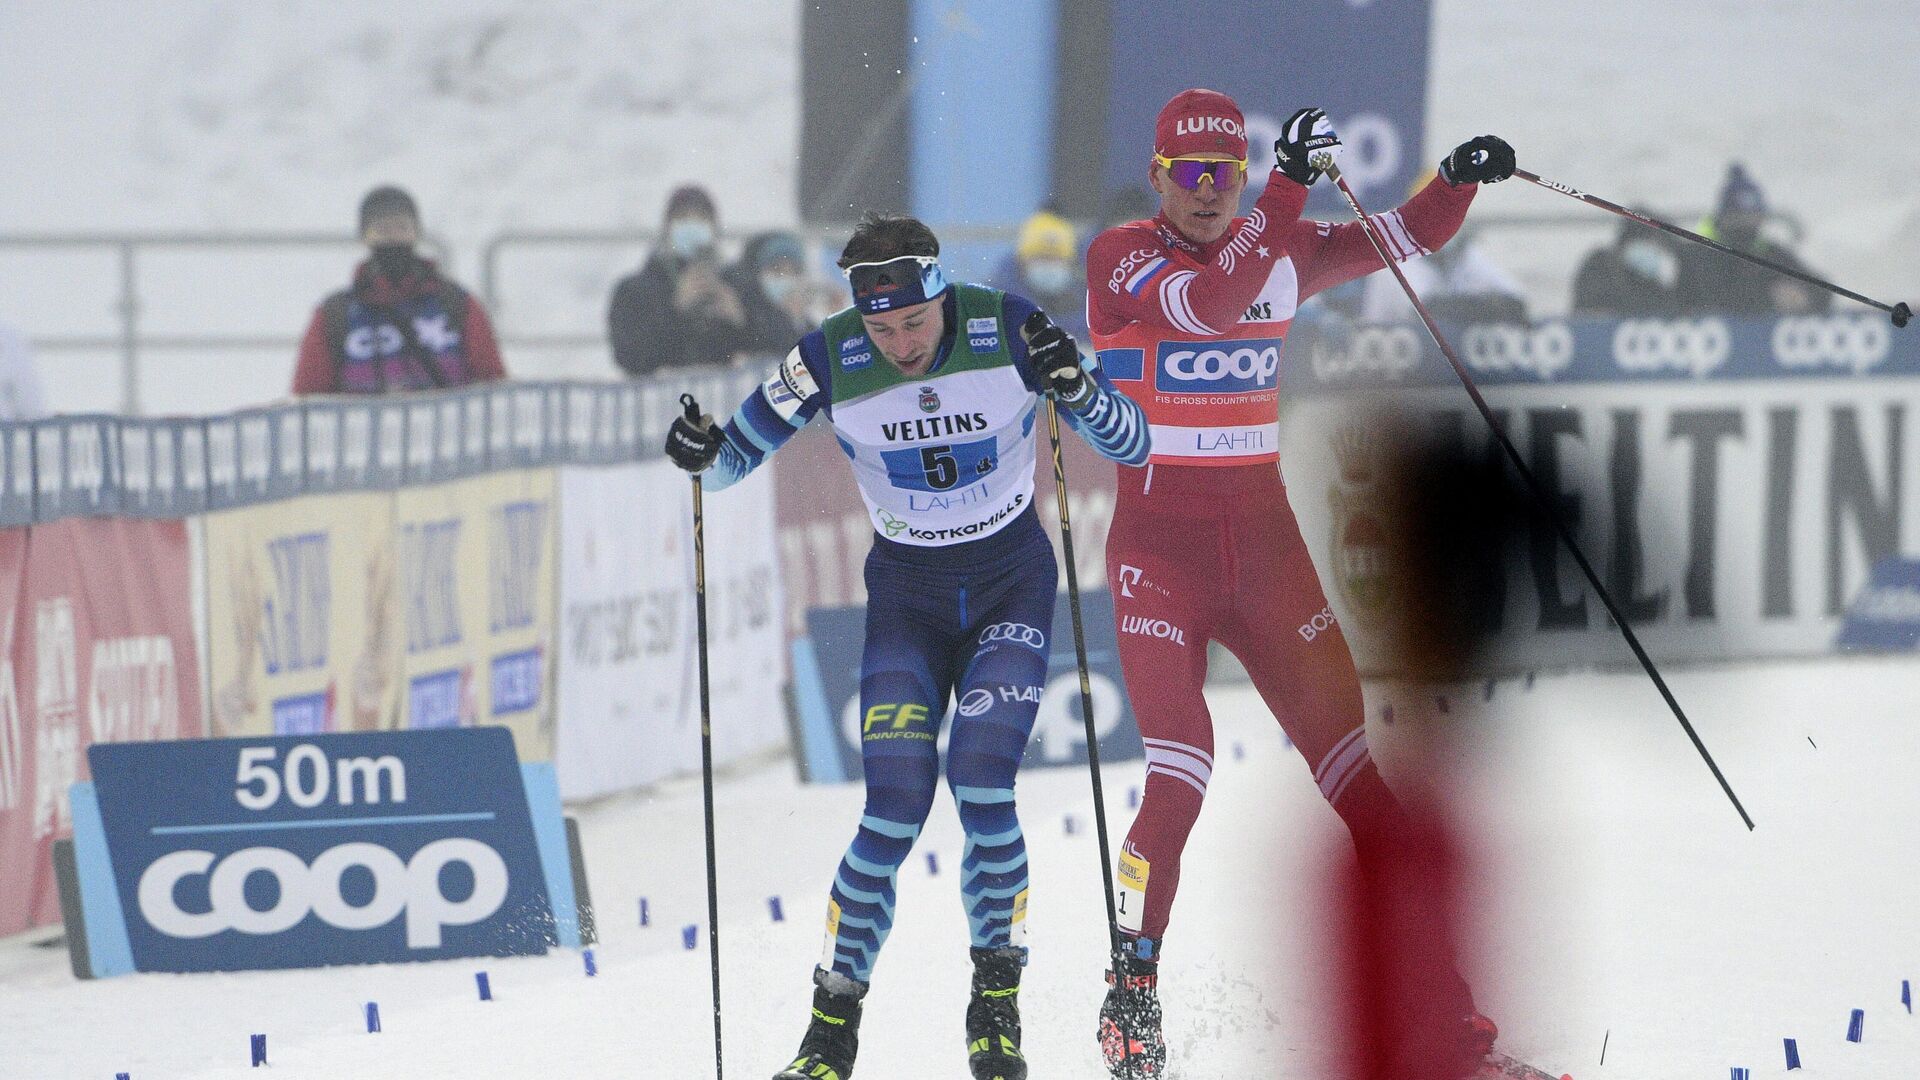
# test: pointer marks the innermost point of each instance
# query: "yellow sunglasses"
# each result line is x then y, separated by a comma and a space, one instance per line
1188, 171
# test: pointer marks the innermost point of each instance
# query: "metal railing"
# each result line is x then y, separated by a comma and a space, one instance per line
129, 338
126, 250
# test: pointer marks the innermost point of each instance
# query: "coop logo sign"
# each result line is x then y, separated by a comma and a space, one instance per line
1542, 351
1231, 368
314, 849
1811, 343
411, 889
1692, 347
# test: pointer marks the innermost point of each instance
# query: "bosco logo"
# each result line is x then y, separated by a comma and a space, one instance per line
1232, 368
412, 888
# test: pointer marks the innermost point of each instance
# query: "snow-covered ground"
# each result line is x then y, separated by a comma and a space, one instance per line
1632, 909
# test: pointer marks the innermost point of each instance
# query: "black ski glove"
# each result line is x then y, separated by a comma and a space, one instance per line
1305, 137
693, 441
1485, 160
1057, 360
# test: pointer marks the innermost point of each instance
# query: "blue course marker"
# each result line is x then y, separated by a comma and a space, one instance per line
690, 935
486, 988
1071, 825
1906, 995
373, 1017
773, 908
1793, 1055
259, 1048
121, 1076
933, 864
1742, 1074
592, 970
1133, 798
646, 916
1856, 1025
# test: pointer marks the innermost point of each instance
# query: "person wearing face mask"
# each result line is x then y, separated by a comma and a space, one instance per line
779, 296
401, 325
1631, 278
1046, 266
677, 310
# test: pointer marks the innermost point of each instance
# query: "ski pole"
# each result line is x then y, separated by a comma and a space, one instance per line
1086, 698
1534, 488
706, 744
1900, 311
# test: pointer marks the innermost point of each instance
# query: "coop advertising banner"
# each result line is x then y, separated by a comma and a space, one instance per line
99, 647
627, 691
308, 850
303, 616
1733, 482
475, 587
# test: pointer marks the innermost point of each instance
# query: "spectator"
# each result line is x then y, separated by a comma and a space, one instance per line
782, 301
678, 311
21, 395
401, 325
1634, 276
1046, 267
1458, 282
1712, 283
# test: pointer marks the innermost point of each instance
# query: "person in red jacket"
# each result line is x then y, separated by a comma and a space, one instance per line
401, 325
1189, 311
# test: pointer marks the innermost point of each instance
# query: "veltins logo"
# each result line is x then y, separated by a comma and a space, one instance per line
1231, 367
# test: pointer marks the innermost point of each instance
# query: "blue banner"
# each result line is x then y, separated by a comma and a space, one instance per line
1326, 356
1885, 617
307, 850
827, 692
1365, 63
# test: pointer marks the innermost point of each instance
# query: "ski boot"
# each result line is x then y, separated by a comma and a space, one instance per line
993, 1016
832, 1040
1130, 1037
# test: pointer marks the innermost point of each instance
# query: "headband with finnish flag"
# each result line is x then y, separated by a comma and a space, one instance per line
895, 283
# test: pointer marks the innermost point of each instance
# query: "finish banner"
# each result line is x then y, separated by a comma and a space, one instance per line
96, 621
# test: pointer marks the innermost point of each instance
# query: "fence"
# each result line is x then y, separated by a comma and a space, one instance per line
162, 308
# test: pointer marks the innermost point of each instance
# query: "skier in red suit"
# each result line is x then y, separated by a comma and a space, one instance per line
1189, 312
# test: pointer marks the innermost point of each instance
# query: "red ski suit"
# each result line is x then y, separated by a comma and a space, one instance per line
1204, 545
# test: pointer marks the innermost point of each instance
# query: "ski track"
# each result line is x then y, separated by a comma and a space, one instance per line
1626, 898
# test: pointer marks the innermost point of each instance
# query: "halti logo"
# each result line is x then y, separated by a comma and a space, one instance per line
1233, 368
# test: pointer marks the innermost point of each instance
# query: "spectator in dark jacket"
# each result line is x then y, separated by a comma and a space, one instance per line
1712, 283
1631, 278
780, 297
401, 325
678, 311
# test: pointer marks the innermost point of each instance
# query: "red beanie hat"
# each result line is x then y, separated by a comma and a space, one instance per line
1200, 122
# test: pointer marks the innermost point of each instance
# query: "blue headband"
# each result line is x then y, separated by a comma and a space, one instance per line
896, 283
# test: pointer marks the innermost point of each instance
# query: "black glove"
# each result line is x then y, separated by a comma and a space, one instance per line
1304, 138
1057, 359
1485, 160
693, 441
